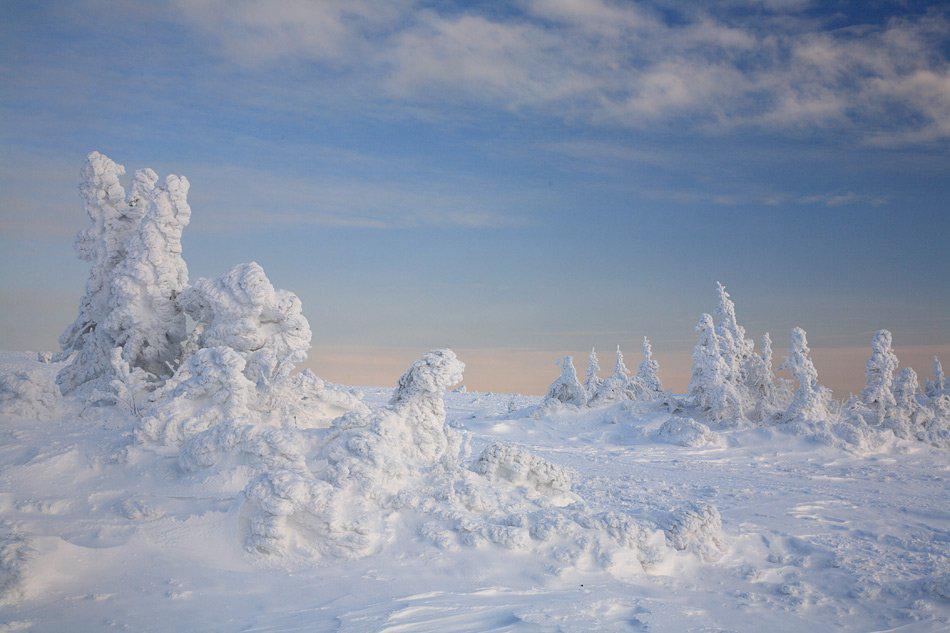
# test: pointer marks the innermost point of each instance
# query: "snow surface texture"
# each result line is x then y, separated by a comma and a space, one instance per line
98, 532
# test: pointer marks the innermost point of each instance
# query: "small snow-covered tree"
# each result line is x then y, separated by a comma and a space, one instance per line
907, 418
242, 310
735, 349
567, 389
591, 381
879, 374
146, 321
760, 379
103, 245
616, 386
936, 387
131, 386
810, 398
710, 388
647, 379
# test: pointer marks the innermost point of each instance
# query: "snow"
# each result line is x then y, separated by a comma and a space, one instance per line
171, 469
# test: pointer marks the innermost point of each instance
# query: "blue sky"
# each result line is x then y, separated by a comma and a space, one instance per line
505, 178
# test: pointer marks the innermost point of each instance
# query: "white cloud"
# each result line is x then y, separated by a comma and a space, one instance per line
616, 63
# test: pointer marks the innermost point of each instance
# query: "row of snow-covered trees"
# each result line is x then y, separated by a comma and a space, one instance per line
732, 383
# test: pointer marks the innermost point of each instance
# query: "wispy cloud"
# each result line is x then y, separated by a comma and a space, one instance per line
612, 63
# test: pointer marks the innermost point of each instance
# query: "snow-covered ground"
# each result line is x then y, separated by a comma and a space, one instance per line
813, 537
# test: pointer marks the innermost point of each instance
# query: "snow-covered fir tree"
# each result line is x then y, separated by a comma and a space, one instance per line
146, 321
760, 380
591, 380
736, 350
567, 389
134, 246
711, 389
810, 398
647, 379
616, 386
103, 245
937, 386
879, 373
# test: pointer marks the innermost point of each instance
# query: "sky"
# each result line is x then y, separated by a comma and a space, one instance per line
515, 180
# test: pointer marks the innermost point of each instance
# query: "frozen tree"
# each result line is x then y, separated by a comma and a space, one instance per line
647, 379
243, 311
146, 321
879, 373
936, 387
616, 386
760, 379
591, 381
102, 244
134, 247
809, 400
710, 387
907, 418
567, 389
733, 345
130, 387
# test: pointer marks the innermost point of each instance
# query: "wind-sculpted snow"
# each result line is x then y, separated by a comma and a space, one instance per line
697, 527
687, 432
15, 551
242, 310
28, 393
518, 466
209, 389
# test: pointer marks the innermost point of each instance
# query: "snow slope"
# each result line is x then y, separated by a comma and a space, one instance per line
98, 530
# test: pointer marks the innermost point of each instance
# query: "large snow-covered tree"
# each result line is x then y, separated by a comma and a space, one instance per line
146, 320
134, 247
711, 389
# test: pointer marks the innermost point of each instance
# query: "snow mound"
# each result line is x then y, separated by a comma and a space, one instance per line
29, 393
518, 466
687, 432
697, 527
207, 390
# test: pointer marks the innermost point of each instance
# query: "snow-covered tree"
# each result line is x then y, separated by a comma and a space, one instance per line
130, 387
879, 373
810, 398
591, 381
760, 379
103, 245
647, 378
567, 389
710, 388
907, 418
736, 350
936, 387
616, 386
134, 246
146, 321
242, 310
